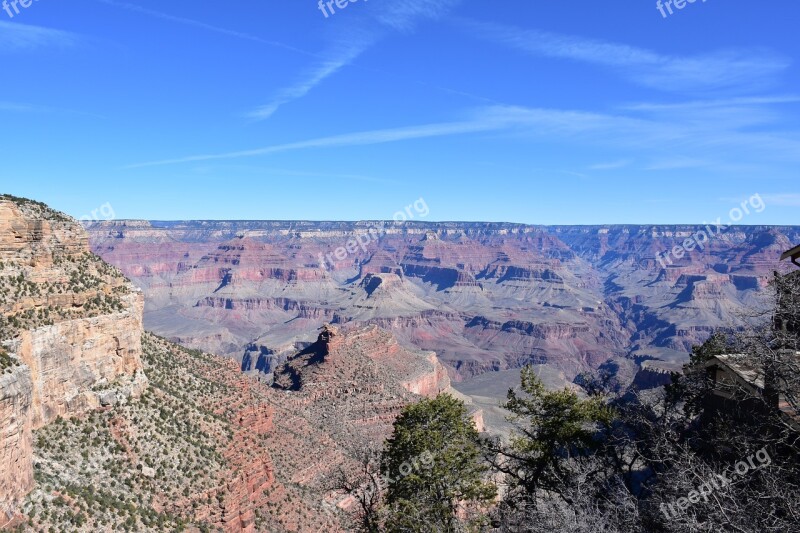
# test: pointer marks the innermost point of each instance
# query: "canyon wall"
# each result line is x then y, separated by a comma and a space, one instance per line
340, 396
16, 440
483, 296
68, 359
70, 332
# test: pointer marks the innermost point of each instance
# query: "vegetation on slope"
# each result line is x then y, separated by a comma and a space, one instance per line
7, 363
84, 280
36, 209
147, 465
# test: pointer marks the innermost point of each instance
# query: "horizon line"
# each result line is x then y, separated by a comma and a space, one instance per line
401, 223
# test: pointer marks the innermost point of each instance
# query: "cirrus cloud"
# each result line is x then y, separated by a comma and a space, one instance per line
15, 37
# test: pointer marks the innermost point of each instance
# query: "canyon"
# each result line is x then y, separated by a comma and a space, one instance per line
484, 296
209, 448
293, 367
106, 427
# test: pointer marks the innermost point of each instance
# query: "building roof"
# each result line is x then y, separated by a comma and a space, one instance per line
752, 375
742, 366
794, 253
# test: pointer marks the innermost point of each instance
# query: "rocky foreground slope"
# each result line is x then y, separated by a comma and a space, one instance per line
210, 449
484, 296
70, 325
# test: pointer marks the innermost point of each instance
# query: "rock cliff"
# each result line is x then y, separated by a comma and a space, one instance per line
210, 448
341, 364
341, 396
16, 467
70, 325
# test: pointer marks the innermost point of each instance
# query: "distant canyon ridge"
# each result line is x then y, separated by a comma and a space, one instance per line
484, 296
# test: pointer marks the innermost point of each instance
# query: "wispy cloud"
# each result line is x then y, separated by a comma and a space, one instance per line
524, 121
347, 53
712, 104
403, 15
787, 199
398, 15
356, 38
493, 120
282, 173
15, 37
612, 165
671, 141
737, 70
573, 174
202, 25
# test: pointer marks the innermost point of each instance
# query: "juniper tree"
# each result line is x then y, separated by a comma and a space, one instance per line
554, 431
434, 470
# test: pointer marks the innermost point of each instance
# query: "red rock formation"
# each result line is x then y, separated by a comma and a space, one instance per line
482, 296
251, 470
340, 395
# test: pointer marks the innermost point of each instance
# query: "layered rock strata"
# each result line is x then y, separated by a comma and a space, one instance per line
70, 329
483, 296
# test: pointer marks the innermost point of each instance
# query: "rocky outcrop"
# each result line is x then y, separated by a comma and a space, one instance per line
652, 374
71, 325
32, 232
335, 365
431, 382
69, 359
341, 395
16, 468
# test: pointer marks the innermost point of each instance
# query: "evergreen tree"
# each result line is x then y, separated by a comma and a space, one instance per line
555, 430
433, 469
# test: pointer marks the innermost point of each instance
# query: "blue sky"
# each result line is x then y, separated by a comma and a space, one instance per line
568, 112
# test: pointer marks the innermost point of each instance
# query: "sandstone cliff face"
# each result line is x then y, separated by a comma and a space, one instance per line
429, 383
32, 232
16, 468
191, 454
71, 324
66, 360
360, 361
